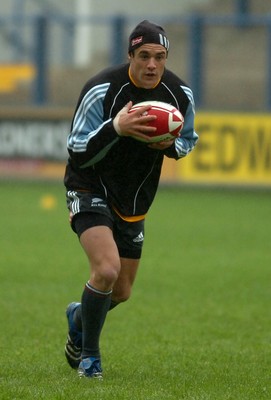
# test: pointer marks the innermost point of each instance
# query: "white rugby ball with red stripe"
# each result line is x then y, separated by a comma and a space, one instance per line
169, 121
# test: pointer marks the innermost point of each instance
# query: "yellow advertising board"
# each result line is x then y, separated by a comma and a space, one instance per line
232, 149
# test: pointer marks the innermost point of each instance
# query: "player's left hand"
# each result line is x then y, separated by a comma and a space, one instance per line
163, 145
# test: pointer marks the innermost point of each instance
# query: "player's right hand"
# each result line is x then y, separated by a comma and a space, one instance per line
135, 123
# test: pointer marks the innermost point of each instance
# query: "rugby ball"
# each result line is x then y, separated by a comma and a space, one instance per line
169, 121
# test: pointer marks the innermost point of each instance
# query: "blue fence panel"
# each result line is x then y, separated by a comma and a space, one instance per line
40, 94
196, 25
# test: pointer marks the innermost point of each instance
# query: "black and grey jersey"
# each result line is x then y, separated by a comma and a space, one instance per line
122, 169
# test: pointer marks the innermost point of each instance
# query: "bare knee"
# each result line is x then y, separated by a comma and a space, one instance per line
120, 295
103, 256
104, 275
122, 289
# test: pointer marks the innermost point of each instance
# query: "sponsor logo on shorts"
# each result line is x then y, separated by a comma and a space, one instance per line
97, 202
139, 238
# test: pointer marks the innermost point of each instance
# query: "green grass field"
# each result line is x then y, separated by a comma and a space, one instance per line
198, 323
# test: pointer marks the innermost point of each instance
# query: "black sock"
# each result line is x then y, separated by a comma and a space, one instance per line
95, 305
113, 304
77, 317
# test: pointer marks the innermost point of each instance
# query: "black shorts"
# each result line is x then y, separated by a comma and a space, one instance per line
88, 210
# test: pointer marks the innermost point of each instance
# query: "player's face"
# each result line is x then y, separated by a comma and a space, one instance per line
147, 65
